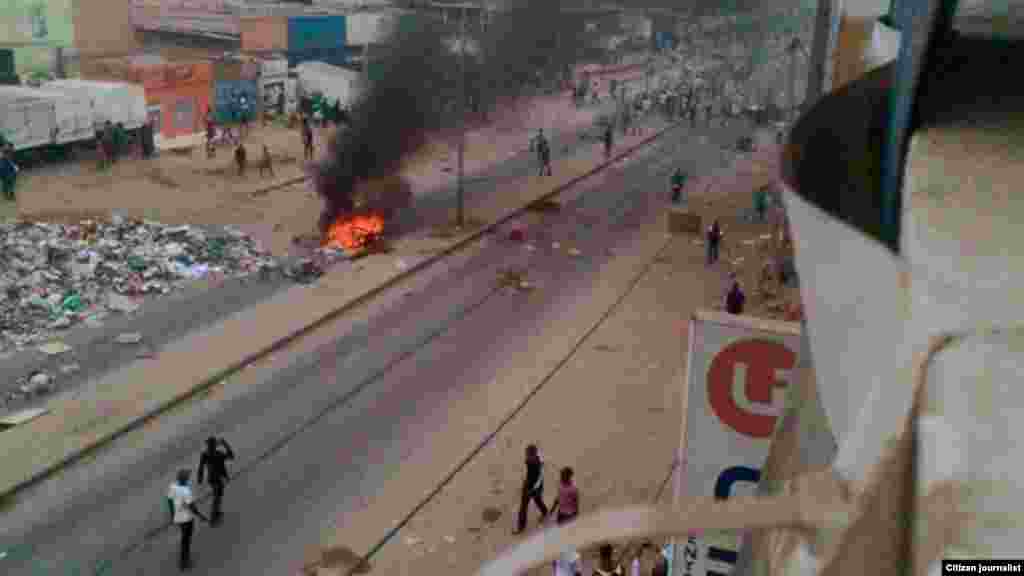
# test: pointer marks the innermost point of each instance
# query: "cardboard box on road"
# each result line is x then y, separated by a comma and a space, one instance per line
682, 220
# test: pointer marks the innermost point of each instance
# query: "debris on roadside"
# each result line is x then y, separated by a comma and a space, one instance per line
515, 279
54, 276
129, 338
54, 348
517, 234
545, 206
70, 368
305, 271
573, 252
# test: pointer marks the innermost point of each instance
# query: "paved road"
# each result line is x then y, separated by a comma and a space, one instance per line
166, 319
319, 426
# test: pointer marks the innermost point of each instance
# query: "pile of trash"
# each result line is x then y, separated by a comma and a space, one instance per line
54, 276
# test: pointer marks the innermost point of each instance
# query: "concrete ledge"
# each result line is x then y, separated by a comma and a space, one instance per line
128, 398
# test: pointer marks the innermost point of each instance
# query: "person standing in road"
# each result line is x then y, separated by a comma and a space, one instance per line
567, 504
214, 463
183, 512
607, 566
678, 181
533, 487
8, 173
307, 138
267, 162
714, 241
241, 159
735, 298
243, 110
568, 564
543, 153
608, 138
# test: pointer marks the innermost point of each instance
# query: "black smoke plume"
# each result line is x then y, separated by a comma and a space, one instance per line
415, 97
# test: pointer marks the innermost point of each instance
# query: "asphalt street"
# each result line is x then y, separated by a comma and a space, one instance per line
164, 319
318, 426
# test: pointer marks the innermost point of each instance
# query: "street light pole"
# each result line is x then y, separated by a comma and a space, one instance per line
460, 190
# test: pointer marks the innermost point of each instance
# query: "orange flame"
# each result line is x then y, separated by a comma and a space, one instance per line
353, 232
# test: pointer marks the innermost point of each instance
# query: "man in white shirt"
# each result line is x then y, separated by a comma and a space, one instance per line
183, 511
568, 564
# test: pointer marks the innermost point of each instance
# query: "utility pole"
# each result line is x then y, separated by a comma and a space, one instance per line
460, 207
826, 33
795, 48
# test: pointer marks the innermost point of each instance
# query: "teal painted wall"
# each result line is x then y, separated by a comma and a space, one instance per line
45, 22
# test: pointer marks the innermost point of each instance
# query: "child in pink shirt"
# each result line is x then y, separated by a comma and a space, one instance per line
567, 504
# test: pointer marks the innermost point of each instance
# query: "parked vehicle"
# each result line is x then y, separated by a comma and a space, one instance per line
109, 101
33, 118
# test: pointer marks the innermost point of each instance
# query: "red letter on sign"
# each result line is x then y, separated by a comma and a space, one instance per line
763, 360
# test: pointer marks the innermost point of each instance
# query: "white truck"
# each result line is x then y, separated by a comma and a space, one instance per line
332, 82
32, 118
108, 101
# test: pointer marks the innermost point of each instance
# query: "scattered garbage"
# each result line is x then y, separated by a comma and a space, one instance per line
129, 338
54, 276
70, 368
530, 248
305, 271
575, 253
413, 541
40, 383
121, 303
54, 348
517, 235
449, 539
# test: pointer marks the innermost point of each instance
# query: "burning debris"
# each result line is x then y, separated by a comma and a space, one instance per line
355, 232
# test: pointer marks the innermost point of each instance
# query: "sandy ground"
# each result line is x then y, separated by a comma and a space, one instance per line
184, 186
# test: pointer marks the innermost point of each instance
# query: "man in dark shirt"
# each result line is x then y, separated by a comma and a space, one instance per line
533, 487
735, 298
214, 462
608, 142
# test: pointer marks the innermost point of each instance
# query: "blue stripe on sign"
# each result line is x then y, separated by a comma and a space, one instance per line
722, 555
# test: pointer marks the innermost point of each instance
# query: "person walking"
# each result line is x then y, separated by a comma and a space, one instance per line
267, 162
241, 159
714, 241
568, 564
8, 173
567, 504
533, 487
183, 512
120, 137
243, 112
606, 563
213, 462
608, 141
307, 138
211, 134
543, 153
678, 181
735, 298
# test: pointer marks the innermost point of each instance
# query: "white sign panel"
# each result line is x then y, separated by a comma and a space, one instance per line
737, 370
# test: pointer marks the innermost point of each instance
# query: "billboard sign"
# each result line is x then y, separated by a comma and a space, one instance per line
737, 371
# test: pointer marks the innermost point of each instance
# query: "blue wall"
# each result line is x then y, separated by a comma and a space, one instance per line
336, 56
225, 97
313, 32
